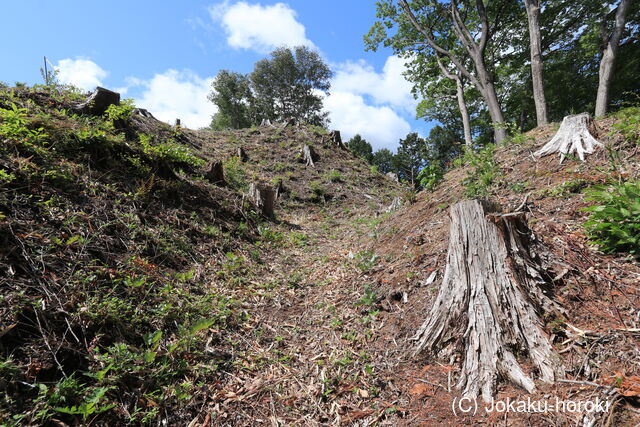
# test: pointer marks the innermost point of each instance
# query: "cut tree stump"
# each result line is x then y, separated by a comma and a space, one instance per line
490, 302
572, 137
98, 102
395, 205
241, 154
336, 138
143, 112
392, 176
215, 173
309, 155
264, 197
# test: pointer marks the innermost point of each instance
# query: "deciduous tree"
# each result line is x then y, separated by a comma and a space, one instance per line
286, 85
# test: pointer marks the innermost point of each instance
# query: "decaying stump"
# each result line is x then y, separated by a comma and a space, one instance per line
279, 189
98, 102
264, 197
490, 302
392, 176
572, 137
265, 122
241, 154
309, 155
143, 112
395, 205
336, 138
215, 173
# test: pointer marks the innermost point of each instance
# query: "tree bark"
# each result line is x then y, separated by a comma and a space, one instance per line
462, 104
309, 156
98, 102
572, 137
241, 154
533, 17
490, 302
489, 93
264, 197
336, 138
215, 173
466, 123
607, 62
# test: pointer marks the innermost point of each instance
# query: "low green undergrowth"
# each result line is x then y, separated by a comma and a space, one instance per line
614, 221
482, 171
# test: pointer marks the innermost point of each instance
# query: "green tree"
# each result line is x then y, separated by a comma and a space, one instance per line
383, 160
410, 157
443, 145
361, 148
286, 85
231, 93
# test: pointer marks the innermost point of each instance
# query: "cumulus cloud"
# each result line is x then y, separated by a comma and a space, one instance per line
257, 27
380, 125
371, 103
388, 87
177, 95
82, 73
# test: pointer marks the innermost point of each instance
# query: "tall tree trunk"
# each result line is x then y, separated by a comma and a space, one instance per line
609, 57
491, 98
533, 16
475, 47
462, 105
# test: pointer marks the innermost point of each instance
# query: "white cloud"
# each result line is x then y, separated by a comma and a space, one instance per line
257, 27
177, 95
380, 125
389, 87
371, 103
82, 73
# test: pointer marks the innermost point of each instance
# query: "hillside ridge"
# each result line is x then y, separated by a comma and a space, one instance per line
135, 290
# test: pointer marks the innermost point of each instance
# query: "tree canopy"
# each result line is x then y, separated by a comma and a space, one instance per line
287, 85
488, 44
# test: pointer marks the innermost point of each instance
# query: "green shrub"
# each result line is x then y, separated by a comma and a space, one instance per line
614, 222
629, 125
121, 112
318, 190
483, 170
169, 151
14, 127
235, 174
6, 177
333, 176
431, 176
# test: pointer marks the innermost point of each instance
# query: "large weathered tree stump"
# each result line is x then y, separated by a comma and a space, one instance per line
572, 137
264, 197
490, 302
98, 102
215, 173
309, 155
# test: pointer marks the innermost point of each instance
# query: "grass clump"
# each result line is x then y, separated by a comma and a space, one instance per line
629, 124
614, 221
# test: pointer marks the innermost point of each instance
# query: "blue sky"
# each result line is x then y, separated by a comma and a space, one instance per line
165, 54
